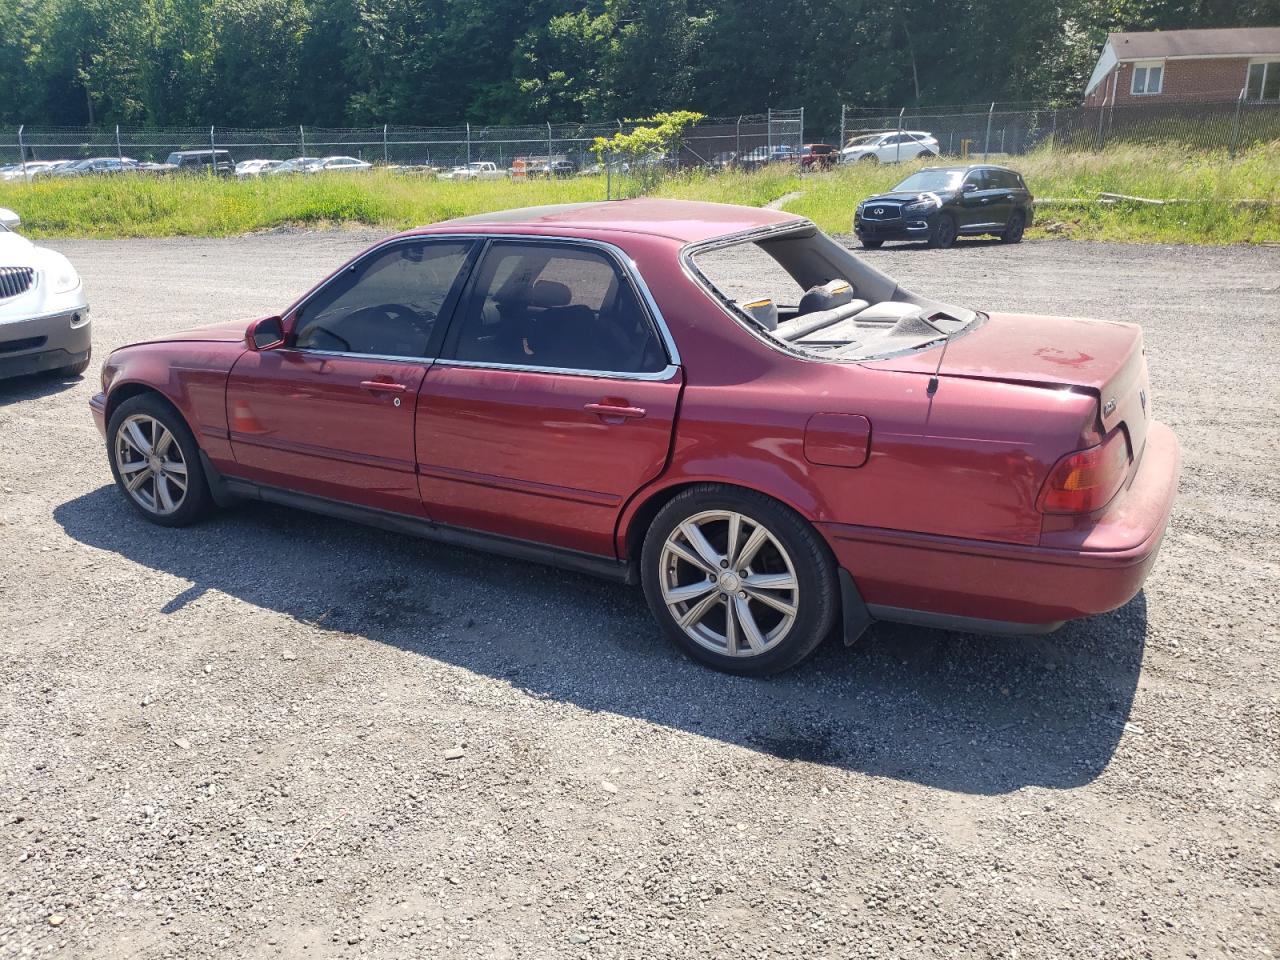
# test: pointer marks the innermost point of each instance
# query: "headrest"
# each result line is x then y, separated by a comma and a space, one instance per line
764, 312
549, 293
833, 293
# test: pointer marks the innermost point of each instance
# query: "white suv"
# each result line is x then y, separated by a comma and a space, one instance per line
891, 147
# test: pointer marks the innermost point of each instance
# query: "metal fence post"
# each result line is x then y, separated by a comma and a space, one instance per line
302, 140
22, 152
801, 143
897, 147
468, 143
986, 146
737, 153
843, 108
1235, 127
768, 132
119, 149
385, 161
213, 150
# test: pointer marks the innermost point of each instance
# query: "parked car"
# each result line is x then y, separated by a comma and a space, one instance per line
818, 156
567, 384
295, 165
939, 204
478, 170
98, 166
891, 147
759, 156
256, 168
339, 165
219, 162
44, 316
32, 170
723, 161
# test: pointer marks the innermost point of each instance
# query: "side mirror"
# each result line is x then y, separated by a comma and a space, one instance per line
265, 334
968, 187
9, 219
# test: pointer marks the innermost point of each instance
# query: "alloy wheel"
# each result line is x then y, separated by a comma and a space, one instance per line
151, 466
728, 583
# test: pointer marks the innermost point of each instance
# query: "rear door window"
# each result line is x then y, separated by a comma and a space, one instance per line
556, 306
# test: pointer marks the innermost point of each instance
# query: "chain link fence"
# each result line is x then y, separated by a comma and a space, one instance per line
771, 135
982, 131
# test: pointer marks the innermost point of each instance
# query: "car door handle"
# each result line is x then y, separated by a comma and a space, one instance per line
606, 410
384, 385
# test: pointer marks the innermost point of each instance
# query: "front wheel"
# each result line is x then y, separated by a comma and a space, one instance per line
1014, 230
872, 244
74, 369
156, 462
738, 581
944, 233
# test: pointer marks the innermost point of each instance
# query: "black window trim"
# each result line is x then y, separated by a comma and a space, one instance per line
629, 273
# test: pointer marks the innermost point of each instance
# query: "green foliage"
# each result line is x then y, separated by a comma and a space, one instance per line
334, 62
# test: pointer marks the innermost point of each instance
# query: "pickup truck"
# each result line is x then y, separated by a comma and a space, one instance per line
478, 170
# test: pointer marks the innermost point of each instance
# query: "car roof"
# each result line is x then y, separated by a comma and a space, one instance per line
688, 221
965, 168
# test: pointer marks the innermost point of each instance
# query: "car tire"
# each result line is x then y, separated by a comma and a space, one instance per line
1015, 228
923, 155
721, 614
944, 233
166, 490
75, 369
868, 158
872, 244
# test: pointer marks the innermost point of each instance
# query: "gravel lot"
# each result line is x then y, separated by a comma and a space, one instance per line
242, 739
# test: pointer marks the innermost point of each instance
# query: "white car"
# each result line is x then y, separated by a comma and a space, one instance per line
338, 165
44, 316
478, 170
296, 165
891, 147
256, 168
33, 169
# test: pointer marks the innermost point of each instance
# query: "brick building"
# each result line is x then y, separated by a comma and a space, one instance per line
1186, 66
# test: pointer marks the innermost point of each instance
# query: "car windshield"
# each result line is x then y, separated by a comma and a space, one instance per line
927, 181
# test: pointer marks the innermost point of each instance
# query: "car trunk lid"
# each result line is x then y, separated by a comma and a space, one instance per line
1103, 357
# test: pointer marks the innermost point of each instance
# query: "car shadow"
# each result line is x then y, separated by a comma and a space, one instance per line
972, 714
34, 386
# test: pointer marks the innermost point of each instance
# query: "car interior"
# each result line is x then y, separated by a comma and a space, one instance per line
555, 306
811, 295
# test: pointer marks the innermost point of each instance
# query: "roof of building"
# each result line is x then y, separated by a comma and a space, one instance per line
1229, 42
684, 220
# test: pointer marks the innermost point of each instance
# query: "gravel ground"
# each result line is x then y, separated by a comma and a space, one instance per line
280, 736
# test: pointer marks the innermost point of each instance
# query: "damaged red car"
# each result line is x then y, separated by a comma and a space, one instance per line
719, 403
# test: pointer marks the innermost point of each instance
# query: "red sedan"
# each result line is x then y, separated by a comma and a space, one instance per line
571, 385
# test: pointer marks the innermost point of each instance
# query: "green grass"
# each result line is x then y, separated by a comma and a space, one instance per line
1210, 180
145, 207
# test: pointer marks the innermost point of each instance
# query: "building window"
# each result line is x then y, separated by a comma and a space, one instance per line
1148, 77
1264, 81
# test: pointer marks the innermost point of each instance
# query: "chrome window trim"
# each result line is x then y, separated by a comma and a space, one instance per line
666, 373
622, 261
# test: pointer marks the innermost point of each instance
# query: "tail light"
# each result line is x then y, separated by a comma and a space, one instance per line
1086, 480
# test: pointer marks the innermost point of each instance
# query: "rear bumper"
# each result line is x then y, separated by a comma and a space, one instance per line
39, 344
935, 580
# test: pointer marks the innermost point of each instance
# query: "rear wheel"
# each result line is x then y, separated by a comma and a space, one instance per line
944, 233
923, 155
738, 581
1014, 230
156, 462
872, 244
868, 158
